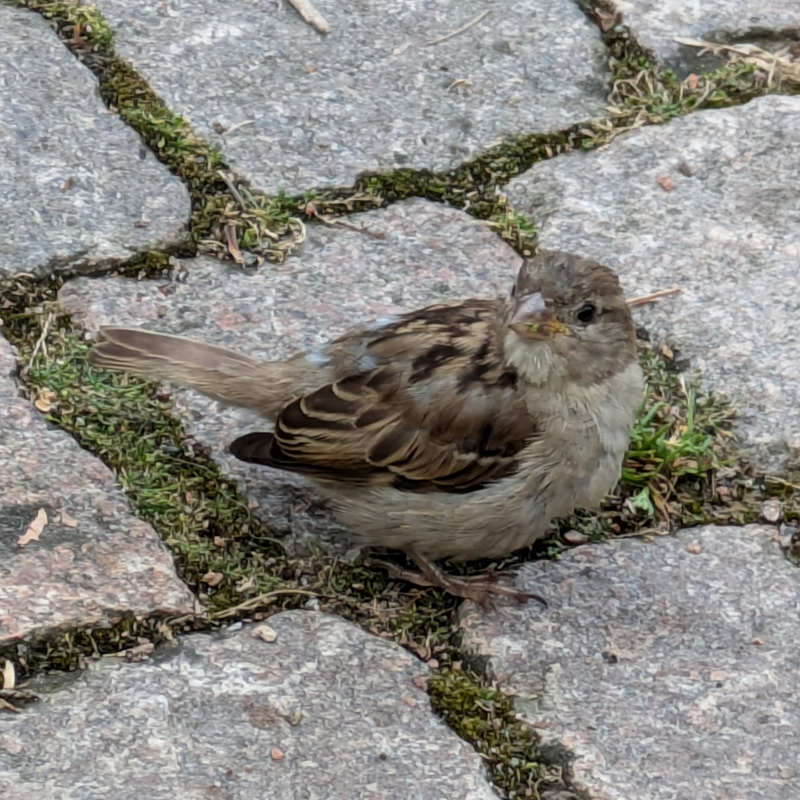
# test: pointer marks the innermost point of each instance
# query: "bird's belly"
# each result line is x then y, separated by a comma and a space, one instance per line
504, 516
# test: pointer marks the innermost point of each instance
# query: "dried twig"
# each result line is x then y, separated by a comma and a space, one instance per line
652, 297
41, 341
311, 15
258, 600
463, 28
232, 189
237, 126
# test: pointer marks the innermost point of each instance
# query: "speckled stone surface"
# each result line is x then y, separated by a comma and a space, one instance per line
93, 559
324, 712
415, 253
77, 186
670, 668
727, 233
294, 109
656, 25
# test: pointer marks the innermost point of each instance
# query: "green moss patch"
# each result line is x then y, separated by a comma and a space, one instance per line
484, 716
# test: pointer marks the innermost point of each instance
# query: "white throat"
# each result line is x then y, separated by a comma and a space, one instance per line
534, 364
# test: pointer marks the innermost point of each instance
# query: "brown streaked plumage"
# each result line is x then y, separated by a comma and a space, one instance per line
459, 430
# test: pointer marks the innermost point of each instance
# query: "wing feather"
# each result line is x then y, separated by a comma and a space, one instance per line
439, 412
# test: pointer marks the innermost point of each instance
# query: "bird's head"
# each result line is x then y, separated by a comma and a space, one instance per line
567, 320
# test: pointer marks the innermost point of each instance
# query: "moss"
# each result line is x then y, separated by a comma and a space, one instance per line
483, 716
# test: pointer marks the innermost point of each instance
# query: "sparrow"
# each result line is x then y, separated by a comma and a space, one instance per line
456, 431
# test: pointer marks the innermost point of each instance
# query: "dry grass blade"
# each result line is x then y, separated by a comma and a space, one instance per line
652, 297
460, 30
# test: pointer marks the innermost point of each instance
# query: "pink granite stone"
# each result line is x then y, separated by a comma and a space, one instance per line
93, 558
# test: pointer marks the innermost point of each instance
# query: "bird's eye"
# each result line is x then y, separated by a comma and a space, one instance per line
587, 313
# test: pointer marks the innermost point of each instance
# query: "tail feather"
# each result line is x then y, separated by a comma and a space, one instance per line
216, 372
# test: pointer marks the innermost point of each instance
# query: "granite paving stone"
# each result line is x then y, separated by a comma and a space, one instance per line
88, 558
323, 712
294, 109
669, 667
708, 203
656, 26
407, 256
77, 186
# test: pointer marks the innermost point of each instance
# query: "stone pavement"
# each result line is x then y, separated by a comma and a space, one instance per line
667, 669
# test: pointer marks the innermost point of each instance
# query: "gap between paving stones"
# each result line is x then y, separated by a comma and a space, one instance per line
220, 225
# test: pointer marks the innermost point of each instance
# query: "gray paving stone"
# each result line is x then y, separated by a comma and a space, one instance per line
324, 712
412, 254
656, 25
727, 233
303, 110
669, 668
93, 559
77, 186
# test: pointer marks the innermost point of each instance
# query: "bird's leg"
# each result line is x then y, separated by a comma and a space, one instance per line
477, 588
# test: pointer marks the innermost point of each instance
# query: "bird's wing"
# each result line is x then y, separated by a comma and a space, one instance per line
438, 412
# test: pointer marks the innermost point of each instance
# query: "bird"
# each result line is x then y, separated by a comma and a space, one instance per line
457, 431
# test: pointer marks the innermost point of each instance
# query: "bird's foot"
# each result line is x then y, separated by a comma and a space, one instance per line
479, 588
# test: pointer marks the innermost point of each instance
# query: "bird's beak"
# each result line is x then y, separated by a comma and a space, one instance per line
532, 319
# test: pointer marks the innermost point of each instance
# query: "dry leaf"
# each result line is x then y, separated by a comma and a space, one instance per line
44, 402
421, 682
576, 537
275, 754
666, 183
265, 632
67, 520
34, 530
9, 675
691, 81
212, 578
606, 20
139, 653
771, 509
